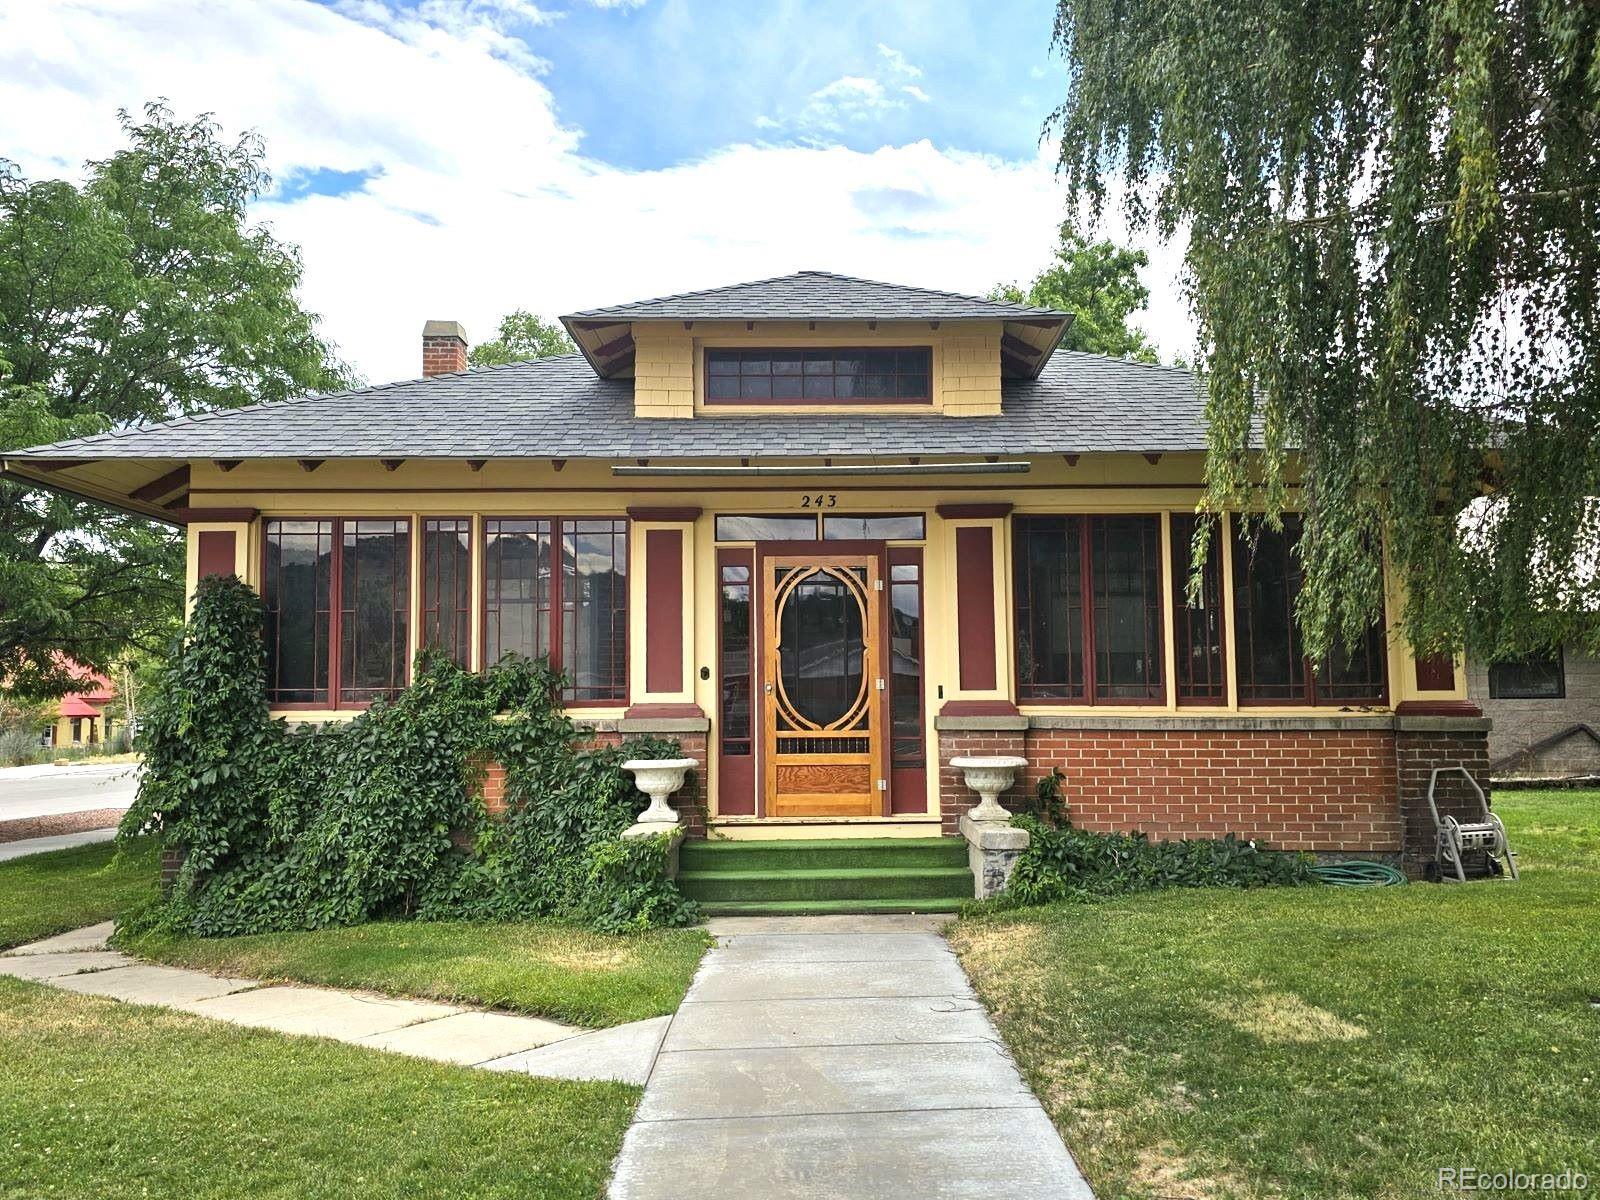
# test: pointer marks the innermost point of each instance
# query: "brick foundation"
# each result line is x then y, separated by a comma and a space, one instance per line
1421, 745
690, 801
1356, 790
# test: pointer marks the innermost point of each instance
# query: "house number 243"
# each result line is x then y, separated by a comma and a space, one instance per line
819, 500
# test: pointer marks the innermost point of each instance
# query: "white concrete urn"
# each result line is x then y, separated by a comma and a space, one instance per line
658, 778
989, 776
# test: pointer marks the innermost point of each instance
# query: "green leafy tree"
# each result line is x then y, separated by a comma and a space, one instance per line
522, 336
1391, 214
140, 294
1098, 282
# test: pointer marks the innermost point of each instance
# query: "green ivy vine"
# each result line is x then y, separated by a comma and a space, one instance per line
286, 827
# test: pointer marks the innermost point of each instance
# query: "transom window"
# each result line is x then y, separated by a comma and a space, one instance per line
781, 527
821, 376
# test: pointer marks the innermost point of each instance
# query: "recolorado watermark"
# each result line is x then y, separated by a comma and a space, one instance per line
1473, 1179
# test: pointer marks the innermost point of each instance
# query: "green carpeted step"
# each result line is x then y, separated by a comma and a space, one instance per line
802, 908
822, 854
883, 883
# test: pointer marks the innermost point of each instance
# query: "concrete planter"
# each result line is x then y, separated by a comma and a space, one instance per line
658, 778
993, 845
989, 776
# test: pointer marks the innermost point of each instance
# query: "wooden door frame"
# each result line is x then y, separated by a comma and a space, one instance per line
818, 550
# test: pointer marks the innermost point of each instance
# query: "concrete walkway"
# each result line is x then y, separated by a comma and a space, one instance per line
80, 962
837, 1058
56, 841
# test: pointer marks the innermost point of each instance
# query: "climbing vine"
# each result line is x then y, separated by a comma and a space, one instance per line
283, 827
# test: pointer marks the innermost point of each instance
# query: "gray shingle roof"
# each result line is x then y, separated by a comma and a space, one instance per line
816, 296
559, 408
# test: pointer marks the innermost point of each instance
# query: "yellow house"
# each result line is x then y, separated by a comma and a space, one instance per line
831, 534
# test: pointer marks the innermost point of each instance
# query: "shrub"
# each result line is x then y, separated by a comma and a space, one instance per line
298, 828
19, 747
1066, 863
22, 723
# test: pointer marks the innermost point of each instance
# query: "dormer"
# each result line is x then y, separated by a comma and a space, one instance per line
817, 342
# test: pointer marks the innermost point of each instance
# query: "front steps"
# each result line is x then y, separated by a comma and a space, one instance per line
879, 875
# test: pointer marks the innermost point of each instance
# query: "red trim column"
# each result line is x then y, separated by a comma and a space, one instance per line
976, 552
661, 671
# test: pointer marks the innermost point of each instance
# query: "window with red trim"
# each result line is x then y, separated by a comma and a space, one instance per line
1272, 666
1201, 668
330, 583
1087, 595
560, 588
446, 617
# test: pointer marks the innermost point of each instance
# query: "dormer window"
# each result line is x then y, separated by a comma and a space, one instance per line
819, 376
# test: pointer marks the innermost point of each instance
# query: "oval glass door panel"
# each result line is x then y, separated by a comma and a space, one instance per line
822, 648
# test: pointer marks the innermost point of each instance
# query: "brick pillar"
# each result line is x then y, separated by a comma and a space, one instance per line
1422, 743
977, 735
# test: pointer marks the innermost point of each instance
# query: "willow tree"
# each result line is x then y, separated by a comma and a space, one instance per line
1393, 219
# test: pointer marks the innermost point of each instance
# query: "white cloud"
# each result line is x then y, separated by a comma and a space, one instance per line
916, 93
897, 63
480, 200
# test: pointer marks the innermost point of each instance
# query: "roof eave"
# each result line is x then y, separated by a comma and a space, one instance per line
60, 483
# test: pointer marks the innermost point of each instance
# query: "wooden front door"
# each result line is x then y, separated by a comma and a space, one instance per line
824, 693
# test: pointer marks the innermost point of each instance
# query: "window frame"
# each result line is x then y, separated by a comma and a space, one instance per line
1310, 689
1087, 599
896, 401
1213, 579
1559, 658
425, 577
557, 600
331, 700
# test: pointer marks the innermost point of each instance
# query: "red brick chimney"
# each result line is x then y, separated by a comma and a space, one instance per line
444, 348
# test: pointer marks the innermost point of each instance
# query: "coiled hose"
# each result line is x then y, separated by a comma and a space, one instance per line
1358, 873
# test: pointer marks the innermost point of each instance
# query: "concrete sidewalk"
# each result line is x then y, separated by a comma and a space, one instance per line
56, 841
80, 962
837, 1059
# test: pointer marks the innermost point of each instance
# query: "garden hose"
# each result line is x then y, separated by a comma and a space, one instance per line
1357, 873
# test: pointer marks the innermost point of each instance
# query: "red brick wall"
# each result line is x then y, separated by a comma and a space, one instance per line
689, 801
1292, 789
1417, 752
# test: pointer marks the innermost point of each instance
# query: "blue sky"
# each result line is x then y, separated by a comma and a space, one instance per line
456, 159
666, 82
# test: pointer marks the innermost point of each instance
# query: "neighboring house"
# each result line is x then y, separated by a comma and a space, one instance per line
827, 532
1546, 713
81, 717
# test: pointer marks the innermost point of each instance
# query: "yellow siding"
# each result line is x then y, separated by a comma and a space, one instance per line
668, 363
1121, 483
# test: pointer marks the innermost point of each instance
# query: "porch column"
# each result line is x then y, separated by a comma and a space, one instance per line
979, 715
661, 644
975, 544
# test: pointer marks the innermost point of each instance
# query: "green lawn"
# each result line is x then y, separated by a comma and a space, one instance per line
1317, 1043
552, 970
45, 894
102, 1099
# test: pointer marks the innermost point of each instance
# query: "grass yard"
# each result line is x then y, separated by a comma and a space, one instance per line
46, 894
548, 969
1318, 1043
109, 1100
